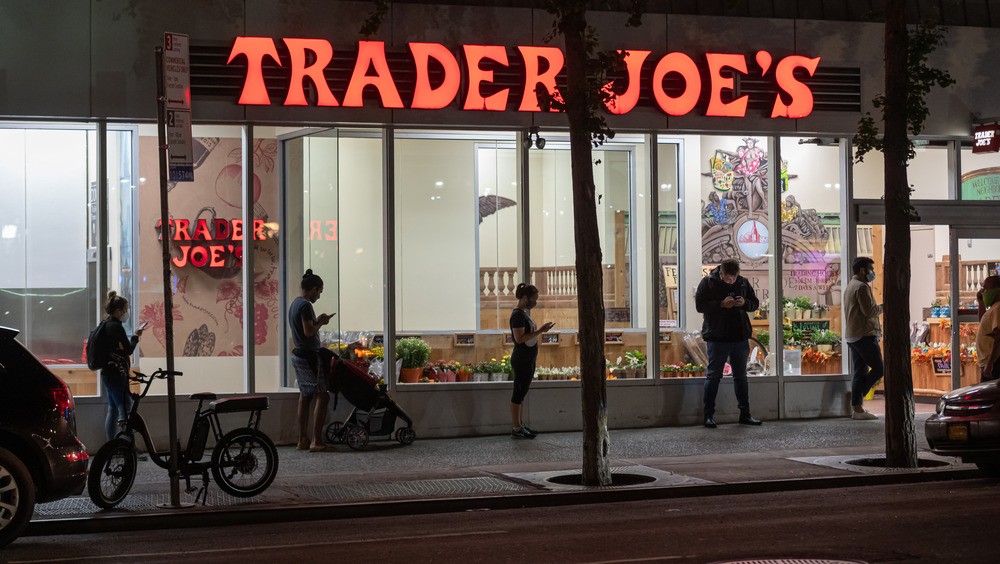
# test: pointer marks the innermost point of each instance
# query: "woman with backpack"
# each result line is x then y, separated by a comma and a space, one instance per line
116, 348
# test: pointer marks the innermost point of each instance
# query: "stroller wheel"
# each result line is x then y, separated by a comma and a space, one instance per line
335, 433
357, 437
406, 435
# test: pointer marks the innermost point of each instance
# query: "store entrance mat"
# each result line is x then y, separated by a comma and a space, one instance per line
660, 479
874, 463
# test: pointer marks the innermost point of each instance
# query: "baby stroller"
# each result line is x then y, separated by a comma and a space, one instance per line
374, 412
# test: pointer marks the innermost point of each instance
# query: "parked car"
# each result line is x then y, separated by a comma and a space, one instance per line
967, 425
41, 458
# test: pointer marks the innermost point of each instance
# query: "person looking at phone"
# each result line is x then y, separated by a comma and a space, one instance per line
725, 298
311, 362
522, 360
118, 348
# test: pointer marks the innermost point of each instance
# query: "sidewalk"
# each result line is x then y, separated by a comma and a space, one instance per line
499, 472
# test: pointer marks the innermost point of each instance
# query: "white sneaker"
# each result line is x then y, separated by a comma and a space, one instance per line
863, 416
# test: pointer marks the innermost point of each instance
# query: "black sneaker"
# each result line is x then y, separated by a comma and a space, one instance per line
521, 434
529, 431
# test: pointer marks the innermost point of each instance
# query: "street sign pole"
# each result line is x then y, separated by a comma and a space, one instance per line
168, 302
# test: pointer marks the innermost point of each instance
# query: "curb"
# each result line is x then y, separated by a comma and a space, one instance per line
278, 512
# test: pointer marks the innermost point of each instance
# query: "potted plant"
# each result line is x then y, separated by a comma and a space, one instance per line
462, 372
480, 372
936, 308
762, 310
825, 340
414, 352
788, 306
668, 371
804, 307
618, 369
635, 364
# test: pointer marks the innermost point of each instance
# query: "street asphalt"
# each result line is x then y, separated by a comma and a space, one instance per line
497, 472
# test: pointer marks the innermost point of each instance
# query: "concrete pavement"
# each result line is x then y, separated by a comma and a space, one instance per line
496, 472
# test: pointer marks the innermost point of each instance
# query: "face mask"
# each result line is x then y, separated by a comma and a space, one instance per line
871, 276
991, 296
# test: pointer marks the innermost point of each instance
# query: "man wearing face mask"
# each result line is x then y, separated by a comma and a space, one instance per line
862, 334
987, 351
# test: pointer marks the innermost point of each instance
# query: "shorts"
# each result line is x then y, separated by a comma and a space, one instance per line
308, 376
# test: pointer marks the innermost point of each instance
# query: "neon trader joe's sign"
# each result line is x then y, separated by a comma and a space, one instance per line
216, 243
308, 58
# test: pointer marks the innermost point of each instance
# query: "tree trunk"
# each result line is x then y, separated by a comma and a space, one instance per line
590, 286
900, 438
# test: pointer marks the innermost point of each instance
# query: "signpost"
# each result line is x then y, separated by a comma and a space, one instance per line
172, 70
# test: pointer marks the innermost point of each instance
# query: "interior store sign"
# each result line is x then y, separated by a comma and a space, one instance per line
211, 243
308, 58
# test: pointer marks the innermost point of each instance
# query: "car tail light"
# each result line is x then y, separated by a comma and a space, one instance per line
80, 454
63, 399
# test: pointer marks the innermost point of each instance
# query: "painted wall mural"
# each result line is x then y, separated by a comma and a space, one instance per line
207, 239
735, 225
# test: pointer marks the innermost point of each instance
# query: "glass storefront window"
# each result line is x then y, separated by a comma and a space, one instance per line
622, 211
48, 244
980, 175
810, 255
333, 214
456, 241
927, 173
734, 216
207, 244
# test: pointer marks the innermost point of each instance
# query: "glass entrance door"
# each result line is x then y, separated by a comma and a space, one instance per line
978, 258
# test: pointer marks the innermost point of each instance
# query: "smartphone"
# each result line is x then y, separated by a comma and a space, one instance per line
143, 326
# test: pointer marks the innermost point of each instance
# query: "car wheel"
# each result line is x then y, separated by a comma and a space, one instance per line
989, 467
17, 497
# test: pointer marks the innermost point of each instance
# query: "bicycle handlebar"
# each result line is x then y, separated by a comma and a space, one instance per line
160, 373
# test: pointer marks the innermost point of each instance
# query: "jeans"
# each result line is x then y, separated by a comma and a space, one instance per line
119, 402
866, 360
736, 353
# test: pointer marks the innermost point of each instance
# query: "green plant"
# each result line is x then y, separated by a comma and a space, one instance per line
764, 337
413, 351
802, 302
936, 303
787, 302
635, 359
825, 337
792, 335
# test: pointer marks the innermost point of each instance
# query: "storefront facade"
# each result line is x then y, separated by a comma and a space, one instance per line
415, 184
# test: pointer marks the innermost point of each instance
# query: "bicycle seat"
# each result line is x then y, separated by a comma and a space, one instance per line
203, 396
238, 403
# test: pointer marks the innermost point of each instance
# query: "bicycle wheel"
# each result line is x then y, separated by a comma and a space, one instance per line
244, 463
112, 472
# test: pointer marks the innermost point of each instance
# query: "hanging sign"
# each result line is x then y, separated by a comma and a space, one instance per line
177, 89
987, 138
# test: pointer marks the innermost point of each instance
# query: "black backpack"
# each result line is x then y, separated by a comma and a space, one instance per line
97, 352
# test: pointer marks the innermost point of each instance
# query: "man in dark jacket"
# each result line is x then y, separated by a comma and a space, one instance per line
725, 297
